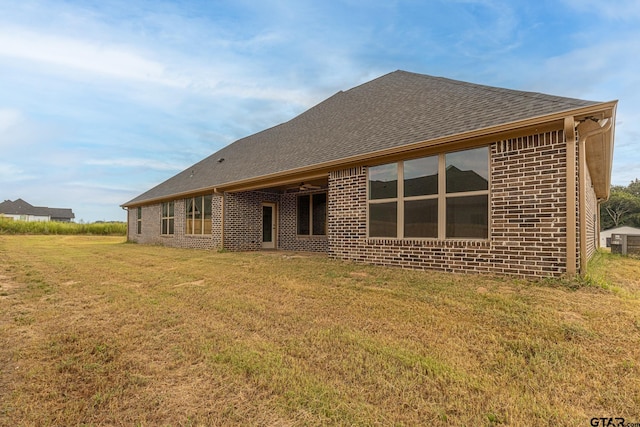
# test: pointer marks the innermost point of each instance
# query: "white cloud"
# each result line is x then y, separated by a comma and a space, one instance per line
504, 25
223, 74
110, 60
18, 131
12, 173
622, 10
604, 71
8, 119
137, 163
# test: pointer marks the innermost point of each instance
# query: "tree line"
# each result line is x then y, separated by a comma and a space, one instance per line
623, 206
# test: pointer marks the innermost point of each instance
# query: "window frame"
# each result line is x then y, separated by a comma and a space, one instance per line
139, 220
167, 218
442, 196
310, 217
191, 219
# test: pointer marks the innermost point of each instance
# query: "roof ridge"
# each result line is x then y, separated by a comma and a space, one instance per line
494, 89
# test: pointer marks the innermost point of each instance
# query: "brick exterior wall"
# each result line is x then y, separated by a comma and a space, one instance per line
151, 227
243, 219
289, 240
217, 233
132, 218
150, 234
577, 192
527, 221
591, 216
528, 199
243, 223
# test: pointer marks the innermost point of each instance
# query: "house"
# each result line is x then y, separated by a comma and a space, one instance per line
23, 211
605, 235
406, 170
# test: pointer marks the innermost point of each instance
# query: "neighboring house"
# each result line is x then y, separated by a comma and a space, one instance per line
605, 235
23, 211
406, 170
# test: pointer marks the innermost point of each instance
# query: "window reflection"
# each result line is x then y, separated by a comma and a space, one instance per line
468, 170
421, 176
383, 181
468, 217
383, 219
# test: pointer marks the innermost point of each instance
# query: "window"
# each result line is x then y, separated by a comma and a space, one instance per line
442, 196
198, 215
420, 179
383, 188
312, 214
139, 220
167, 218
468, 194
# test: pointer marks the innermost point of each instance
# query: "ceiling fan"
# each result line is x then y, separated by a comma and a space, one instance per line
304, 187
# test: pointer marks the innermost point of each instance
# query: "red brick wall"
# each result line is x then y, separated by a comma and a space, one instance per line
527, 221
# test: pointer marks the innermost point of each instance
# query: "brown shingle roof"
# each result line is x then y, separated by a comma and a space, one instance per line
396, 109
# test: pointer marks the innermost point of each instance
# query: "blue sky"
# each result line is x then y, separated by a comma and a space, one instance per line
101, 100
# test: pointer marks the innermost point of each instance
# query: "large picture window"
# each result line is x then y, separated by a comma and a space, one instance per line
311, 214
198, 215
443, 196
167, 218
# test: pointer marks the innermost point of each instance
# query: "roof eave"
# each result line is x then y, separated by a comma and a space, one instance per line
478, 136
598, 144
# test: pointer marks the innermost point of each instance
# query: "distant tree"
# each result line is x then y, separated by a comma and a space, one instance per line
622, 208
634, 220
634, 187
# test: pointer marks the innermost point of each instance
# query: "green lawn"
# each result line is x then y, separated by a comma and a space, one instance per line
95, 331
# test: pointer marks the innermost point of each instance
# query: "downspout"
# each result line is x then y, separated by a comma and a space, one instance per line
597, 225
583, 189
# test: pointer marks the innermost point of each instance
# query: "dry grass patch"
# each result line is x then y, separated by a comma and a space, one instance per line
97, 332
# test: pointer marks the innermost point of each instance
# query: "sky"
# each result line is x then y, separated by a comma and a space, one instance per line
102, 100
